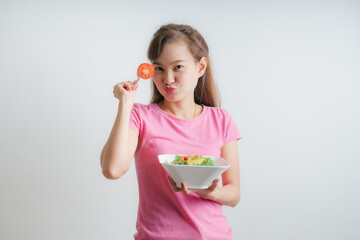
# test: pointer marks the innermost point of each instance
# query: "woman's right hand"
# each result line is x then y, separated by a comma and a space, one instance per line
125, 92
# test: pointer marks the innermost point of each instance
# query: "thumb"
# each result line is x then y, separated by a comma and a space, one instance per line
214, 184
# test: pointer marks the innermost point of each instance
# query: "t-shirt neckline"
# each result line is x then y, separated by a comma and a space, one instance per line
180, 120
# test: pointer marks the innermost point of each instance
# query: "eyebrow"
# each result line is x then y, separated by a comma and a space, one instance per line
157, 63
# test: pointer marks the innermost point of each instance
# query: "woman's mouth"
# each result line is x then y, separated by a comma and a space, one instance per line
170, 90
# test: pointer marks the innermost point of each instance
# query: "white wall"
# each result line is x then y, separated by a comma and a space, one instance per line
288, 72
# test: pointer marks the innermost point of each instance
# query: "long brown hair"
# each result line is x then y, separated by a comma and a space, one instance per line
206, 91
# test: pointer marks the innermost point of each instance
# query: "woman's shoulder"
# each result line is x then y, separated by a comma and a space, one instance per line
141, 105
217, 111
223, 119
143, 108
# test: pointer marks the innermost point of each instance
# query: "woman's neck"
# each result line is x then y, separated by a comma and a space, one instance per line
182, 110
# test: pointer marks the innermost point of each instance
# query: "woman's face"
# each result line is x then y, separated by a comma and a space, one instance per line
176, 72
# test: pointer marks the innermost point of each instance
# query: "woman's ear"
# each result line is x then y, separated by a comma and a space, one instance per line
202, 66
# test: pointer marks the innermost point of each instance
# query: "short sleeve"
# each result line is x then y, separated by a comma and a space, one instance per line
135, 118
231, 131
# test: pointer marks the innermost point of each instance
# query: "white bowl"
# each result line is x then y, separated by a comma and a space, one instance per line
196, 177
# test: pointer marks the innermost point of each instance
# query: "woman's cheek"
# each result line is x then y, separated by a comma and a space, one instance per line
156, 80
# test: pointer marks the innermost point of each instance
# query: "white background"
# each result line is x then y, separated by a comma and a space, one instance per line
288, 72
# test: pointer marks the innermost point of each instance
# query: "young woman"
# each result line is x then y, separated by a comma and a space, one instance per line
183, 117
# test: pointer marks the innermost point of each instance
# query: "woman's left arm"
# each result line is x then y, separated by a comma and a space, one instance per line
229, 193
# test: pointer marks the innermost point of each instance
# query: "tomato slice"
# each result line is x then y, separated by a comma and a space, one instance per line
145, 71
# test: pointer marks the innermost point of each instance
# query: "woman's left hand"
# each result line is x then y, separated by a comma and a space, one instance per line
204, 193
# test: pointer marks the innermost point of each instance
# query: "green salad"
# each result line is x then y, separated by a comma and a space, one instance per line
197, 160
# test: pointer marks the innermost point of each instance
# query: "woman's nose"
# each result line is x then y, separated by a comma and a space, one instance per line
169, 78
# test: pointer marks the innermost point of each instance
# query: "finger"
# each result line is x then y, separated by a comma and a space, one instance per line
214, 184
132, 85
127, 85
117, 89
185, 189
173, 184
117, 86
136, 86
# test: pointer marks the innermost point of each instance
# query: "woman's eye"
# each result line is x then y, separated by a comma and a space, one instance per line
178, 67
158, 69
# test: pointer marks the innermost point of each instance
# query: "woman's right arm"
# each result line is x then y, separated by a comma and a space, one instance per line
119, 149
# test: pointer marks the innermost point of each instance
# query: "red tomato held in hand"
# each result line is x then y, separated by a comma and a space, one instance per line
145, 71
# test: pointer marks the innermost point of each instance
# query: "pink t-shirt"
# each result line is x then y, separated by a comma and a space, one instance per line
163, 213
